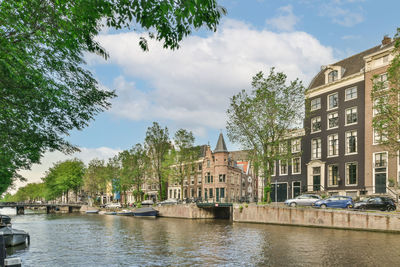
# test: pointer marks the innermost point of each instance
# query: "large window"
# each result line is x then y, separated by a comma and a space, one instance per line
296, 165
333, 76
283, 167
316, 148
351, 93
316, 124
333, 101
380, 160
208, 178
315, 104
296, 145
333, 120
333, 175
351, 142
351, 115
382, 81
222, 178
273, 170
333, 143
379, 137
351, 173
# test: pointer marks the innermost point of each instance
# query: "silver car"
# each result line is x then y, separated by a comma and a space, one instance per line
302, 200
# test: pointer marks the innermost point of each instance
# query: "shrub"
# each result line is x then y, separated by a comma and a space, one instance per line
240, 208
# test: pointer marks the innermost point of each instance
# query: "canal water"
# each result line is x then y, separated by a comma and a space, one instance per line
105, 240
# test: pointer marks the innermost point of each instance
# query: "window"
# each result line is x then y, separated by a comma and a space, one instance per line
351, 142
296, 145
222, 178
209, 178
211, 193
200, 166
333, 175
351, 116
379, 137
296, 166
333, 144
315, 104
283, 148
380, 160
199, 179
316, 148
333, 76
333, 120
316, 124
283, 167
351, 173
333, 101
273, 169
382, 81
208, 163
351, 93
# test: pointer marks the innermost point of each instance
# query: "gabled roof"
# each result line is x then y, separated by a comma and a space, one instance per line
351, 65
221, 146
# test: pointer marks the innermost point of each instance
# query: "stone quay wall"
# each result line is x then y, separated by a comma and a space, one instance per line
341, 219
188, 211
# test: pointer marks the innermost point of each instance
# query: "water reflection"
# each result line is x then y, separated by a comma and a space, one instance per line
101, 240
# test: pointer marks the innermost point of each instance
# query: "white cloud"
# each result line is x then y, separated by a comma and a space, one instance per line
285, 21
192, 86
341, 15
87, 154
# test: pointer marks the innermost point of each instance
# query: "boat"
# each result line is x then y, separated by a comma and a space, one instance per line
145, 212
92, 211
110, 213
14, 237
125, 213
4, 220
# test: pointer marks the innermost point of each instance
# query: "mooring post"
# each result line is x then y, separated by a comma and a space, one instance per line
2, 249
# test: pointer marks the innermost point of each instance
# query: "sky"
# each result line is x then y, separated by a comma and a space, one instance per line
191, 87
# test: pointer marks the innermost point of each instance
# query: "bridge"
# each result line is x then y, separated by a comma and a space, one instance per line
50, 208
220, 210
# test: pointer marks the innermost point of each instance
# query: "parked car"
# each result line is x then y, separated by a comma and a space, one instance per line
302, 200
376, 203
168, 202
335, 202
113, 205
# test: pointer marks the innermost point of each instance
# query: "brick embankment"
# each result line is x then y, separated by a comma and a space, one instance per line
188, 211
342, 219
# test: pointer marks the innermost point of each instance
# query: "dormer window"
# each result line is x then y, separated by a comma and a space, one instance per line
333, 76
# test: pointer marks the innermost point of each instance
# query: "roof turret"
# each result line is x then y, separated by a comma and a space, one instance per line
221, 146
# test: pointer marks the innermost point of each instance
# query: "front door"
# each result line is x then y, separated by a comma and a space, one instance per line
278, 192
380, 183
296, 189
316, 182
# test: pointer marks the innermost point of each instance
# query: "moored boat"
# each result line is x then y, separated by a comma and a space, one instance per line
14, 237
125, 213
146, 212
110, 213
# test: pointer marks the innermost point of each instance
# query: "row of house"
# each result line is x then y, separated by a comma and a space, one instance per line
337, 151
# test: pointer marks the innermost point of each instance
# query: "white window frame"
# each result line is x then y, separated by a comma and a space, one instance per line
296, 142
347, 173
348, 89
375, 141
312, 148
299, 165
329, 176
347, 142
327, 98
320, 125
329, 146
345, 120
337, 116
280, 168
319, 106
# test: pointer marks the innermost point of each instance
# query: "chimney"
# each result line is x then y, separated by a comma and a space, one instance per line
386, 40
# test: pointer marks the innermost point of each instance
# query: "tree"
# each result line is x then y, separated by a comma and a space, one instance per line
157, 146
45, 91
185, 156
260, 121
96, 178
385, 96
63, 177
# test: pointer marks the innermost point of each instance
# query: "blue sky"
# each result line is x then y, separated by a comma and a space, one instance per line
190, 88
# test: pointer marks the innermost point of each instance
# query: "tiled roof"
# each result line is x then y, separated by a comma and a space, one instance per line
351, 65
